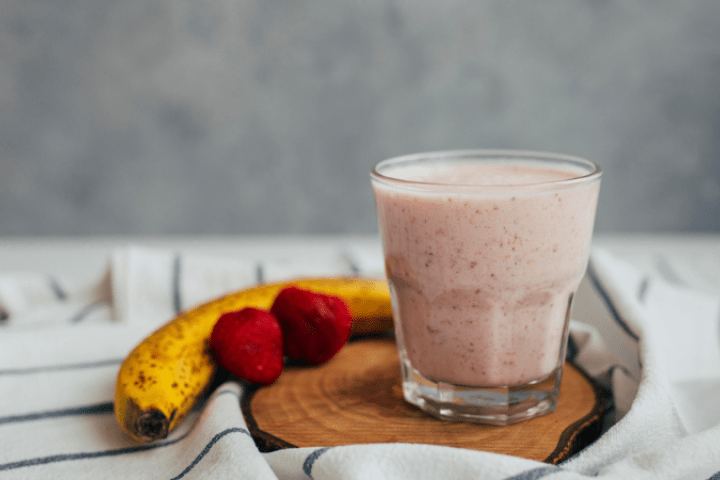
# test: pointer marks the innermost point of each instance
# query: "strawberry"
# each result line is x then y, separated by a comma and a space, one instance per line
315, 326
248, 343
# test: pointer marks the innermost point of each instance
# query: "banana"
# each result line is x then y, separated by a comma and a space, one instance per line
164, 376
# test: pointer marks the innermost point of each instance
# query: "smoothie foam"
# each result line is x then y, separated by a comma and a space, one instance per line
482, 279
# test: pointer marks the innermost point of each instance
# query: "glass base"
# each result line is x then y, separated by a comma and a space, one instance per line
488, 405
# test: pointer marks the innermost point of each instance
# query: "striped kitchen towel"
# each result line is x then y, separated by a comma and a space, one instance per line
649, 337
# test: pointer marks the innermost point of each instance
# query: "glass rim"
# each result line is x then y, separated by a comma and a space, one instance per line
593, 174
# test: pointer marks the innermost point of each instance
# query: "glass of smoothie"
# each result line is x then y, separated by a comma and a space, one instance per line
484, 250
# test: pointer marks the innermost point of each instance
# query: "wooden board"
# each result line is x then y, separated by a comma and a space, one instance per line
357, 398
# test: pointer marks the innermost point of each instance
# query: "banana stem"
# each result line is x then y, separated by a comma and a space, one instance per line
152, 425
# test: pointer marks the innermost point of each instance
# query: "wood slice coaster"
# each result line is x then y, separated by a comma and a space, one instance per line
356, 398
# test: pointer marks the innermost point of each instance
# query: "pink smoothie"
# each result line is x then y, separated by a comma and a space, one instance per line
482, 280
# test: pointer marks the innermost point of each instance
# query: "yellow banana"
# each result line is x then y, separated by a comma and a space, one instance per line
164, 376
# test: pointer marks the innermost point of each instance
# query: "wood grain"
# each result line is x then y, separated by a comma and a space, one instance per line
357, 398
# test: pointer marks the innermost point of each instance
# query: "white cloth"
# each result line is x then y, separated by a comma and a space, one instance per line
649, 337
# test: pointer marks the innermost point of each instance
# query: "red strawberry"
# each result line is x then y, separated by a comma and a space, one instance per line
315, 326
248, 343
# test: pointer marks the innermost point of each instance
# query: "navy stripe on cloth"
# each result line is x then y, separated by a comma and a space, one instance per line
352, 264
310, 460
57, 368
716, 476
57, 289
86, 310
535, 473
592, 275
207, 448
643, 289
100, 408
259, 273
31, 462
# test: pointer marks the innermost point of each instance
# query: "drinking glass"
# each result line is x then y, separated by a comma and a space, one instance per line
484, 250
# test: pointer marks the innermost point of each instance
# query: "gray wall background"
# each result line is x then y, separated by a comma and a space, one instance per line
257, 117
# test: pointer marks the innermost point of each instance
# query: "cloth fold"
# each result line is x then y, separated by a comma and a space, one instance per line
650, 339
